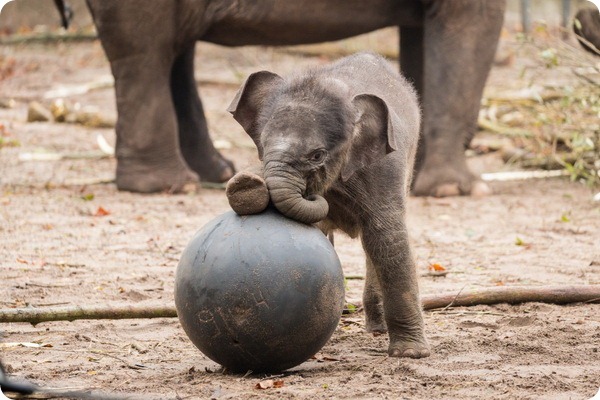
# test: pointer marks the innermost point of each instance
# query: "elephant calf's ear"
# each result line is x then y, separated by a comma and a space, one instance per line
250, 101
373, 135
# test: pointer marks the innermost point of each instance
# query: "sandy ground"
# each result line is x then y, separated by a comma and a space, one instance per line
57, 249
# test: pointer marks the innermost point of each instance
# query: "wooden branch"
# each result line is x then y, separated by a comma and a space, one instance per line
462, 298
515, 295
72, 313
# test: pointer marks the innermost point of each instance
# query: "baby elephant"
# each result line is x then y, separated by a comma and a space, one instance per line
337, 146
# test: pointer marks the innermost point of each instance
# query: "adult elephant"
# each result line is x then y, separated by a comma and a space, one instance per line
446, 47
587, 28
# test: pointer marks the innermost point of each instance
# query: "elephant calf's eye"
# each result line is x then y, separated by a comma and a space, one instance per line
317, 155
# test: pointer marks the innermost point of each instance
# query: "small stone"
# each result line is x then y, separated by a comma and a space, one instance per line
38, 113
60, 109
7, 103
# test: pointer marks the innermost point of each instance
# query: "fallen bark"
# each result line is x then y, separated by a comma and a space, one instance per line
463, 298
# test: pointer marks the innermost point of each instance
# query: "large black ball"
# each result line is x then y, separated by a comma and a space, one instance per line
259, 292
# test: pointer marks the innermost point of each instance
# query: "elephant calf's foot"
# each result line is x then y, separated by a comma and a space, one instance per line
247, 193
409, 347
158, 177
444, 182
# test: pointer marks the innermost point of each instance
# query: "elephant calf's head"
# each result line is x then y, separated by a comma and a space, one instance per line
310, 132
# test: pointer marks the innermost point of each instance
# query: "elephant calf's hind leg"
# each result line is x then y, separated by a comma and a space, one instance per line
372, 302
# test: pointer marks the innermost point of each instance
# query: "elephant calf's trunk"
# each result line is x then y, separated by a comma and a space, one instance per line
286, 193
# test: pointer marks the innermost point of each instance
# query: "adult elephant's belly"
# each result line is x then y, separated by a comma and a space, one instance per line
284, 22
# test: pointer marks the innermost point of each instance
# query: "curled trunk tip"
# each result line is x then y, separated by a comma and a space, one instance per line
286, 194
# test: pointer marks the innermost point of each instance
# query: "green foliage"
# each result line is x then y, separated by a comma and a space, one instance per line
8, 142
88, 197
560, 111
583, 145
550, 57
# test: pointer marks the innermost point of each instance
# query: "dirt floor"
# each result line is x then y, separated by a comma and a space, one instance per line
67, 238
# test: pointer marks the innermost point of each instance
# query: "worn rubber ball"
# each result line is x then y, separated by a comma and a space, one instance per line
259, 293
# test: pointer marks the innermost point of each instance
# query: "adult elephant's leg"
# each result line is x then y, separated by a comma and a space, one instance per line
139, 39
460, 38
147, 148
194, 140
411, 64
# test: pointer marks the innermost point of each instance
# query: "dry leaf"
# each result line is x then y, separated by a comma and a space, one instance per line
269, 383
101, 212
266, 384
436, 267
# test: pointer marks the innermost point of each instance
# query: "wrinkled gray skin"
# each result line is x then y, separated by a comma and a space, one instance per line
446, 46
587, 28
337, 145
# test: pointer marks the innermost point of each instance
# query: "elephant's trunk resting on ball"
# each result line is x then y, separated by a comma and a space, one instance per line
338, 145
287, 190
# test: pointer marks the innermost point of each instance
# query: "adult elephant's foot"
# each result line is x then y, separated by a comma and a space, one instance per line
152, 177
211, 167
416, 347
446, 181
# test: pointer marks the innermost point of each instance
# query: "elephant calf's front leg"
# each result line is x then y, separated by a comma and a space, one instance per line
386, 245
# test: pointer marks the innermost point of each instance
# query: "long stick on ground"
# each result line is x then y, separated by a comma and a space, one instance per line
72, 313
465, 297
515, 295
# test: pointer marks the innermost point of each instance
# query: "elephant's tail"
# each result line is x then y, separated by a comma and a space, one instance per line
65, 11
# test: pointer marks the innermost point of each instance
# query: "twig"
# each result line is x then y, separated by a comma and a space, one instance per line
354, 277
213, 185
454, 299
584, 77
447, 312
522, 175
49, 37
502, 130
